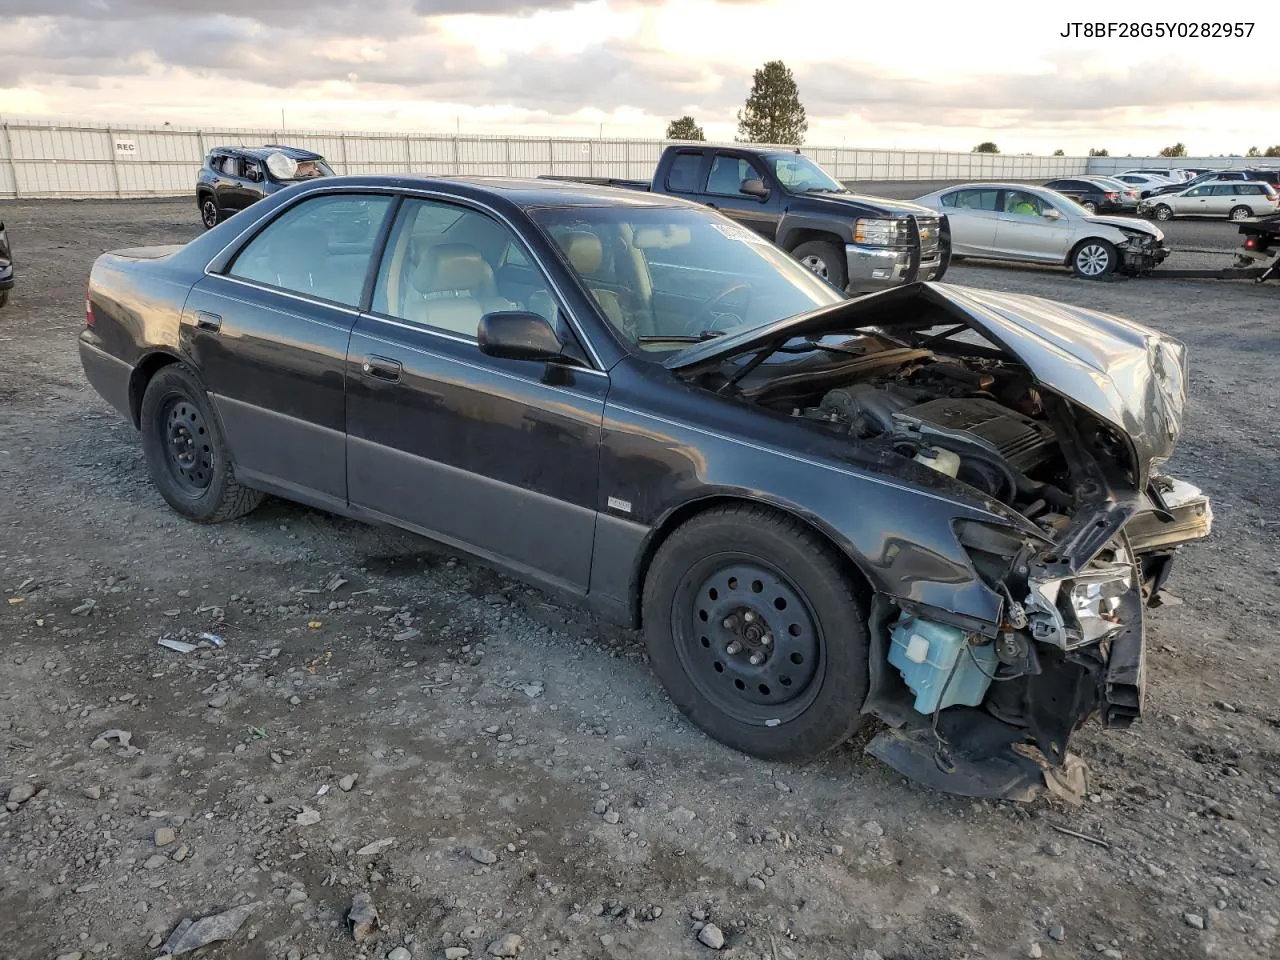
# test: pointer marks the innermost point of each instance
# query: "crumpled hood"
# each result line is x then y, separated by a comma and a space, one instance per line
1129, 375
1128, 223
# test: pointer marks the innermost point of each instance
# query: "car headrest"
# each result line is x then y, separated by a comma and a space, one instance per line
584, 250
452, 266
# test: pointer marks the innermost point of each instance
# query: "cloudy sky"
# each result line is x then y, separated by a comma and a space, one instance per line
924, 74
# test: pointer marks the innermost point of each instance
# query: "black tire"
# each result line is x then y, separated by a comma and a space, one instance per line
4, 298
210, 215
1240, 213
1094, 258
1163, 212
826, 259
690, 645
186, 452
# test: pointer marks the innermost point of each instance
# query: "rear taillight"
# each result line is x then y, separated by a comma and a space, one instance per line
1273, 196
1250, 243
88, 312
1112, 196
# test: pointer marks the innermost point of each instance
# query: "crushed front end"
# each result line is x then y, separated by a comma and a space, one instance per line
1141, 252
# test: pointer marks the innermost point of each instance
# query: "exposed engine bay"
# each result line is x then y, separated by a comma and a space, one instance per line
985, 709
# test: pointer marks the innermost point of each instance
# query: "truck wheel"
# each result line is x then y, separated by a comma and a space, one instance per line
1094, 258
1240, 213
186, 453
209, 213
826, 259
754, 629
1163, 212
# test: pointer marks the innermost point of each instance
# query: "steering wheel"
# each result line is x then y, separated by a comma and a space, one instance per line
703, 319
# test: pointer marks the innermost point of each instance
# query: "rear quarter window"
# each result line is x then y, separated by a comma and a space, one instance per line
682, 177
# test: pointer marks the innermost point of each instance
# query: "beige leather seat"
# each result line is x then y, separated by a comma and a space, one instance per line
453, 288
585, 253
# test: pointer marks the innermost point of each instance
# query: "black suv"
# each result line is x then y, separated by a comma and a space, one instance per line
234, 177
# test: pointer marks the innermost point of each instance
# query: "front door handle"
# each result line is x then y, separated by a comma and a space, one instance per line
208, 321
382, 368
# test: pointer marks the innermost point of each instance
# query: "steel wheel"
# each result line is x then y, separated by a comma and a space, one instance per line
1093, 260
1090, 207
748, 640
1241, 213
1164, 212
817, 265
188, 447
209, 213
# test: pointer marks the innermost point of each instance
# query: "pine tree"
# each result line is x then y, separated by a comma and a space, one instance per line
773, 112
686, 128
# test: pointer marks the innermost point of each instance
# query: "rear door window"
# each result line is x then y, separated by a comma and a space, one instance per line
321, 248
976, 200
682, 176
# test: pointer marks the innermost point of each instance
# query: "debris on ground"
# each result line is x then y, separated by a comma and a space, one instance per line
362, 917
193, 934
507, 945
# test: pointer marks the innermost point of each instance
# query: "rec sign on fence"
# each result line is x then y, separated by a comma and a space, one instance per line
126, 149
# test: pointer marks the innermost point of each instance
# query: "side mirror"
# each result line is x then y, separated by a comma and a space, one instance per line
1051, 214
518, 335
754, 188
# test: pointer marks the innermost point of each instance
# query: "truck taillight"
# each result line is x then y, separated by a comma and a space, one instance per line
88, 312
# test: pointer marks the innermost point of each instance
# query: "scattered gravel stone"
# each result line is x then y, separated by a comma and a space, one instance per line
165, 836
1034, 951
456, 953
155, 862
1057, 933
73, 955
399, 953
93, 793
483, 855
362, 917
348, 783
711, 936
612, 816
507, 945
307, 818
1194, 920
220, 701
755, 883
1054, 849
22, 793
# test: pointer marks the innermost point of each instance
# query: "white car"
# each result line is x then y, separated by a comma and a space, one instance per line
1173, 175
1143, 183
1013, 221
1234, 199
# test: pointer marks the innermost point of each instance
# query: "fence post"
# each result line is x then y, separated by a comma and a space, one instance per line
457, 161
551, 156
13, 166
408, 156
346, 167
115, 161
506, 145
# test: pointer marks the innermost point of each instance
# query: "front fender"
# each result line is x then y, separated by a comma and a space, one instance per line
794, 226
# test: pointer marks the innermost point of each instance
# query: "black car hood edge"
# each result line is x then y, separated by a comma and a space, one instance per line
1131, 376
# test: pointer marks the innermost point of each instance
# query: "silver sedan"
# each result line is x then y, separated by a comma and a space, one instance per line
1015, 221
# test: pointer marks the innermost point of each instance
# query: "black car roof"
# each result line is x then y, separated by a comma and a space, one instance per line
523, 192
261, 153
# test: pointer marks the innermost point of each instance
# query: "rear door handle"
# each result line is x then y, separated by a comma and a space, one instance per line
208, 321
382, 368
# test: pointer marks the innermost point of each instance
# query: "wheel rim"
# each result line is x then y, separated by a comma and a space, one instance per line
1091, 208
210, 213
187, 451
1093, 260
1239, 213
817, 265
748, 640
1163, 213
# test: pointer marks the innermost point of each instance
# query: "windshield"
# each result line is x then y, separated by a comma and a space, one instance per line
308, 170
663, 276
799, 174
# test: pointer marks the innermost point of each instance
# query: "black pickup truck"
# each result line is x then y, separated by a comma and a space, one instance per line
859, 244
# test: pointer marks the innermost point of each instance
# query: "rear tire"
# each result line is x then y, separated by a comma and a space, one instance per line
826, 259
186, 452
210, 215
1090, 207
1240, 213
1163, 212
739, 574
1094, 259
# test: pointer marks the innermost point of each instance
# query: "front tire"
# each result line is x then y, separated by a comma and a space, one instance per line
826, 260
1094, 259
1240, 213
753, 627
1164, 212
186, 453
210, 215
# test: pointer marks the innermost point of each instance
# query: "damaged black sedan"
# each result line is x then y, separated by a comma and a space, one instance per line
940, 506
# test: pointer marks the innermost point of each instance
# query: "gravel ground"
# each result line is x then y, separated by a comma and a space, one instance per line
501, 774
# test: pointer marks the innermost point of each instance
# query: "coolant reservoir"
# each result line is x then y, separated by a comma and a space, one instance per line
937, 458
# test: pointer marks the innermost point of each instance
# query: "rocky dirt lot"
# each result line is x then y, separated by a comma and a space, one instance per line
502, 775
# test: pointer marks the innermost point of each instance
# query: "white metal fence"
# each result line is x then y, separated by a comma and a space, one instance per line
94, 160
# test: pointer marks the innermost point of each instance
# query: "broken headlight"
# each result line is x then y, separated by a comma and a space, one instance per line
1080, 610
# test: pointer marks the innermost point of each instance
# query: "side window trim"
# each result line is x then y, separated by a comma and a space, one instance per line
735, 157
699, 176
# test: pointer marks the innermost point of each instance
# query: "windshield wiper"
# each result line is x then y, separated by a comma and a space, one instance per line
681, 337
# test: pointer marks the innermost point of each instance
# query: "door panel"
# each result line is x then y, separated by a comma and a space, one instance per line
1024, 233
269, 339
499, 457
973, 218
724, 179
